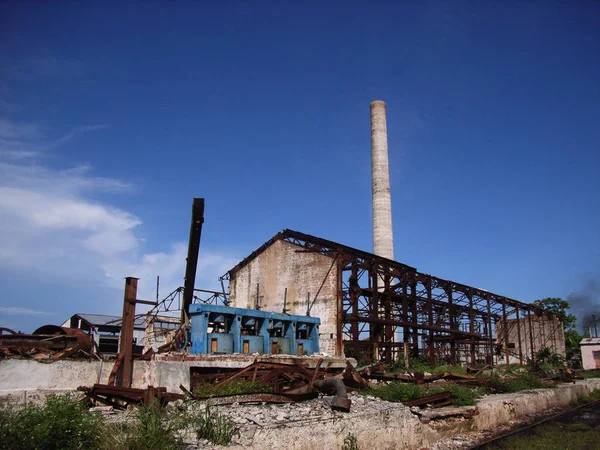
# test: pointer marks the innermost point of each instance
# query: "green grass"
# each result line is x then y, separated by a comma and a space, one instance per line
235, 387
462, 395
589, 374
403, 392
556, 436
418, 365
520, 382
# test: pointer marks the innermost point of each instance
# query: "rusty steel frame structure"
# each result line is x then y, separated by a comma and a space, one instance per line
387, 309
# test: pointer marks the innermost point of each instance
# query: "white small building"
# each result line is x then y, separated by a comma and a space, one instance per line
590, 353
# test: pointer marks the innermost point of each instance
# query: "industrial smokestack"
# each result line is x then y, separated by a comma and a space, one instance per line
383, 240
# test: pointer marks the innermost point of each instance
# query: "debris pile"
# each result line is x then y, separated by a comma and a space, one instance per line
287, 383
121, 397
49, 342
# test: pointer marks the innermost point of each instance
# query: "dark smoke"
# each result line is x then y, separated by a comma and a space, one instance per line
585, 304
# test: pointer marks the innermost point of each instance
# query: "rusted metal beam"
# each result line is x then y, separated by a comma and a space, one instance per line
125, 374
192, 256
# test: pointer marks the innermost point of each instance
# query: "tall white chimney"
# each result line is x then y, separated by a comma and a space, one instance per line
383, 240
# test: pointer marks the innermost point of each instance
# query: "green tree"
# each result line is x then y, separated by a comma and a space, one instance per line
560, 307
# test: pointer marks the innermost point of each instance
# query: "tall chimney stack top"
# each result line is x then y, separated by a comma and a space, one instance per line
383, 241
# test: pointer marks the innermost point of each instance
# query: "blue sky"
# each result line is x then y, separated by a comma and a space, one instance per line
112, 117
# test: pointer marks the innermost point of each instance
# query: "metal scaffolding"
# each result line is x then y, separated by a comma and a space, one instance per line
387, 310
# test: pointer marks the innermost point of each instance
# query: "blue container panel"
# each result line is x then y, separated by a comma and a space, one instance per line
224, 343
255, 343
308, 347
283, 345
260, 341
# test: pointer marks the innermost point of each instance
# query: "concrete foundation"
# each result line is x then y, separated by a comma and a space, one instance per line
504, 409
22, 380
393, 428
385, 426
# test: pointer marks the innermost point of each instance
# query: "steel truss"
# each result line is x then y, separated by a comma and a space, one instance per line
389, 309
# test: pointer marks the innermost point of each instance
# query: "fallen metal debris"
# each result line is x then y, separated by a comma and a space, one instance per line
49, 342
432, 401
120, 397
289, 382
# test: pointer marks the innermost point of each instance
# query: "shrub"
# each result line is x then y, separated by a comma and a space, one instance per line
547, 359
61, 423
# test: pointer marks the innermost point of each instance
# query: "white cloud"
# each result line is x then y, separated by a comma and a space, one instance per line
17, 311
170, 266
51, 226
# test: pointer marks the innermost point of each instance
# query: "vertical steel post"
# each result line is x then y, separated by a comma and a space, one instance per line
505, 332
519, 338
531, 349
430, 344
126, 339
452, 323
490, 334
354, 289
339, 343
471, 324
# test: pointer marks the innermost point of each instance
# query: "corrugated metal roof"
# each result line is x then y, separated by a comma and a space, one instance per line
103, 320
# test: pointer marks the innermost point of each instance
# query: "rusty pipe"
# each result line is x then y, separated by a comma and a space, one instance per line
337, 388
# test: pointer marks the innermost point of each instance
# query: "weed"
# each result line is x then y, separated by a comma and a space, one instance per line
217, 429
153, 430
350, 442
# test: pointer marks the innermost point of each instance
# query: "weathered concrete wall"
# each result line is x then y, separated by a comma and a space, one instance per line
22, 379
25, 380
547, 333
281, 266
390, 428
503, 409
